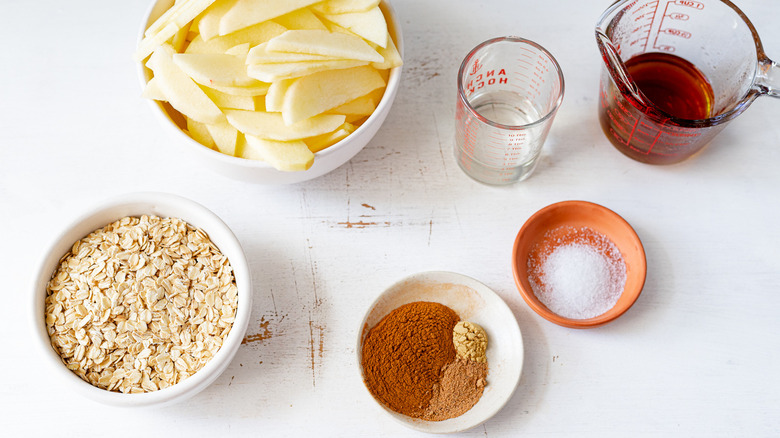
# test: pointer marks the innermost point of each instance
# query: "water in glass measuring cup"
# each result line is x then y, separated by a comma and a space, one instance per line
508, 92
675, 72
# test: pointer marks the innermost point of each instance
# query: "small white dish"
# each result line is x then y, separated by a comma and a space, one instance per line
472, 301
136, 204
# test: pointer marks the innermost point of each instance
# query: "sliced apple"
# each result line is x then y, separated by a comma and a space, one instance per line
180, 13
362, 106
253, 35
225, 137
179, 39
259, 54
370, 25
289, 156
289, 70
214, 68
152, 42
271, 80
343, 6
200, 133
258, 89
183, 13
275, 97
245, 13
333, 27
181, 91
302, 18
323, 42
319, 92
208, 25
230, 101
324, 141
241, 50
392, 58
152, 91
271, 125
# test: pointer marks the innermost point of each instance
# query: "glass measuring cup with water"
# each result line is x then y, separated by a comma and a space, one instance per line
509, 90
675, 73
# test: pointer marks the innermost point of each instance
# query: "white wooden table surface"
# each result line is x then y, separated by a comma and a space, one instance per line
698, 354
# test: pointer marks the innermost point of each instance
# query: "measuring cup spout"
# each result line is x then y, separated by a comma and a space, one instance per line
617, 69
768, 80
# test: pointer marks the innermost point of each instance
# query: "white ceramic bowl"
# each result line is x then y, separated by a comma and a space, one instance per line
136, 204
472, 301
262, 173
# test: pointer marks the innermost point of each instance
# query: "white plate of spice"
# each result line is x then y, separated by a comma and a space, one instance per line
440, 352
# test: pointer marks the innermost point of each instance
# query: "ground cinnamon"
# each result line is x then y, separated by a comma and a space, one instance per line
405, 354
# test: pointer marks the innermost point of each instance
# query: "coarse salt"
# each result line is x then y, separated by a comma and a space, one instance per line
578, 274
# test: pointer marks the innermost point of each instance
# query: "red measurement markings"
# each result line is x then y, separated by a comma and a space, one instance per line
490, 77
678, 33
678, 16
690, 4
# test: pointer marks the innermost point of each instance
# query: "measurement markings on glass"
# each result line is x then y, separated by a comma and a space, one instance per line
677, 11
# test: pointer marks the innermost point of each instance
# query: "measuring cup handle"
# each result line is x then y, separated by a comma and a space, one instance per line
769, 78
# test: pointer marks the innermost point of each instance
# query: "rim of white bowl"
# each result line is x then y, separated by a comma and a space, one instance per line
388, 97
168, 205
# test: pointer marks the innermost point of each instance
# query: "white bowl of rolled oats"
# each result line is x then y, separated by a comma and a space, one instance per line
142, 301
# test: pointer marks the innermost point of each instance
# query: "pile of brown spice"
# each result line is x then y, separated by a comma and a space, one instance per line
411, 364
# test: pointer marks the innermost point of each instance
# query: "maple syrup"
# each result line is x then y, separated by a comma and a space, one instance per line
672, 84
676, 88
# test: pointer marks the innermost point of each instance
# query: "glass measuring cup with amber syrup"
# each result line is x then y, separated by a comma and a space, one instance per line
675, 73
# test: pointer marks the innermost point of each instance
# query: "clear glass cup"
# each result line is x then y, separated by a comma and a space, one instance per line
509, 90
714, 37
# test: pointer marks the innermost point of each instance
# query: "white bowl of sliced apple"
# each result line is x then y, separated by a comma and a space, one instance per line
271, 91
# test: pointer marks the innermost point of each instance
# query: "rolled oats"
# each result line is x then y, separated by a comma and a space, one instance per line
141, 304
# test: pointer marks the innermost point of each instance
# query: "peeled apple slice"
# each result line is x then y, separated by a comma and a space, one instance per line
152, 91
214, 69
271, 126
181, 13
259, 33
343, 6
322, 42
181, 91
301, 19
370, 25
225, 137
230, 101
200, 133
323, 141
248, 12
319, 92
208, 25
275, 97
392, 58
169, 23
275, 72
259, 54
258, 89
241, 50
286, 156
362, 106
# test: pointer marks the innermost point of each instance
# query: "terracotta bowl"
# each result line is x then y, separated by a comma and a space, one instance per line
580, 214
